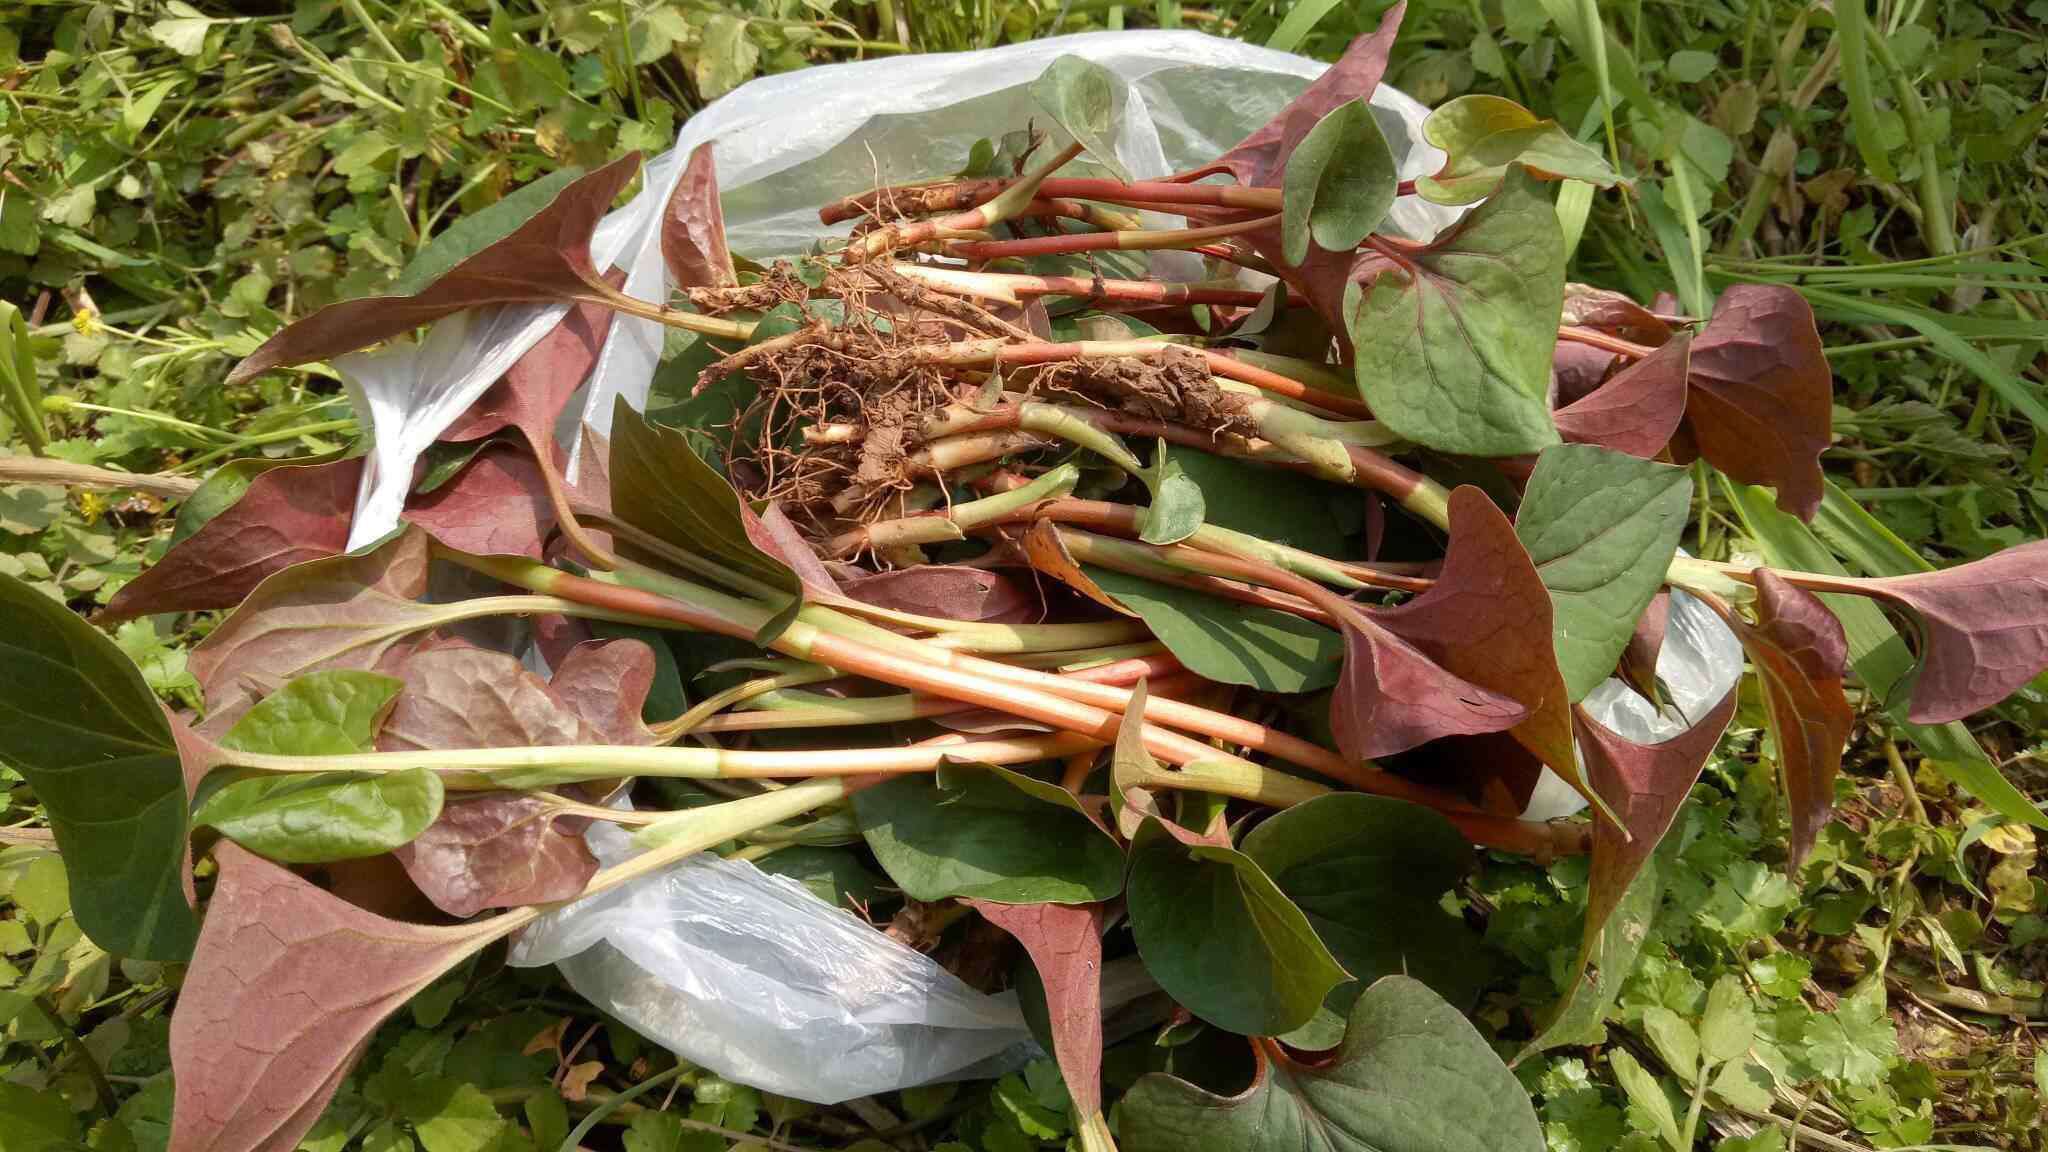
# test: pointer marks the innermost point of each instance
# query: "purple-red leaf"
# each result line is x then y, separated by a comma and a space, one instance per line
531, 394
282, 995
1065, 943
457, 696
1645, 784
497, 505
1488, 620
1391, 697
1258, 159
1638, 409
772, 532
498, 850
351, 611
1983, 629
1613, 313
289, 515
544, 260
606, 683
1800, 652
1639, 659
1761, 405
693, 227
949, 591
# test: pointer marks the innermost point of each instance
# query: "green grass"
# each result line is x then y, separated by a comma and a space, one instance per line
177, 182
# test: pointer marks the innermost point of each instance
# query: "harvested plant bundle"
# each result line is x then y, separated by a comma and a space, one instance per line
1056, 587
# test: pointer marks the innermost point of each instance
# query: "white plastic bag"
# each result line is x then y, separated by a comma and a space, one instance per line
749, 975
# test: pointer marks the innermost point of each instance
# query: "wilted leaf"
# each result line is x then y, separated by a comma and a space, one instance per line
1613, 313
1413, 1075
282, 995
948, 591
1259, 158
1338, 184
80, 725
497, 850
543, 259
1761, 403
1644, 784
1601, 527
1065, 943
1481, 135
693, 227
1081, 96
1452, 341
285, 517
341, 612
1639, 409
1222, 939
1801, 654
988, 833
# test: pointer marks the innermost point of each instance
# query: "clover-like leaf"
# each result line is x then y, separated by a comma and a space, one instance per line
1339, 183
1412, 1075
1481, 135
1451, 341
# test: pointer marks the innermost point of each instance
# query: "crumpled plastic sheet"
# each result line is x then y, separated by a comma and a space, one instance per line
752, 975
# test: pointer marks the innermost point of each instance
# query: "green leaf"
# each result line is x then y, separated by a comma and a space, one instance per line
32, 1121
1452, 343
1301, 20
1177, 505
1729, 1025
81, 726
1601, 526
1222, 939
1225, 641
1852, 31
1645, 1094
476, 231
18, 373
1855, 1043
331, 712
450, 1116
316, 817
987, 833
664, 1132
1937, 328
1676, 1043
1081, 96
1290, 508
1880, 656
1356, 864
1338, 184
1413, 1075
661, 486
1482, 135
1607, 962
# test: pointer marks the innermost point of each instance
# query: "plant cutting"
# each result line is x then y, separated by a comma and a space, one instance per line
1082, 599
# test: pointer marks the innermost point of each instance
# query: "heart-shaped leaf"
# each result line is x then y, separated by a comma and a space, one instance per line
988, 833
1081, 96
531, 394
1645, 785
285, 516
1639, 409
1259, 158
1222, 939
1601, 527
498, 850
80, 725
532, 248
332, 712
1481, 135
1412, 1075
1983, 629
693, 227
1801, 653
1356, 865
1391, 696
1338, 185
497, 505
1761, 406
285, 988
1451, 342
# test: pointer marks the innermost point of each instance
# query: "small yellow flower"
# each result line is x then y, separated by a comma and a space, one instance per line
91, 506
85, 321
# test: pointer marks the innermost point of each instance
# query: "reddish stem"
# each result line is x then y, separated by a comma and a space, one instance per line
1593, 337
